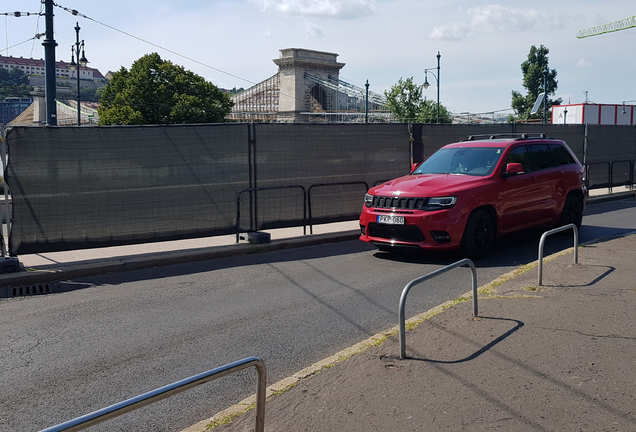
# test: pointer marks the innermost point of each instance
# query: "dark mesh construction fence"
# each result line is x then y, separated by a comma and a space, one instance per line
77, 188
611, 151
315, 156
610, 148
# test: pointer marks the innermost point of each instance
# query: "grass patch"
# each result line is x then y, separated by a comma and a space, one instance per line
281, 391
380, 341
228, 419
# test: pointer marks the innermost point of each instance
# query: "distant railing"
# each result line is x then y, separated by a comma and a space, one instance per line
96, 417
610, 175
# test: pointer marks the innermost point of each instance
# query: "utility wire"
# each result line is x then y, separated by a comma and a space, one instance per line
37, 36
37, 29
19, 14
76, 13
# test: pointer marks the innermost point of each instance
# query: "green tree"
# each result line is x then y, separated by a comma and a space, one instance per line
428, 113
14, 83
405, 101
156, 91
89, 94
533, 69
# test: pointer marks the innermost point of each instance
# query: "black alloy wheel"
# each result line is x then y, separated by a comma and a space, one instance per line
479, 235
572, 211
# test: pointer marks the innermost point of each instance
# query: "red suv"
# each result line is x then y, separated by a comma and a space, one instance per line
468, 193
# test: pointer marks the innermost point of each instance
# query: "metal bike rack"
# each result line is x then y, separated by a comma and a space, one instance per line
426, 277
311, 226
96, 417
542, 243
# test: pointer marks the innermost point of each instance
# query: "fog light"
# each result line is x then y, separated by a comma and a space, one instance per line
363, 229
440, 236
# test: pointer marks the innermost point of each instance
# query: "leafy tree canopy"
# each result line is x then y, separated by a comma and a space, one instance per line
14, 83
532, 69
405, 101
156, 91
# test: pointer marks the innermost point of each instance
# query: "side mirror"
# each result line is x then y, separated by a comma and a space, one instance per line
414, 166
512, 169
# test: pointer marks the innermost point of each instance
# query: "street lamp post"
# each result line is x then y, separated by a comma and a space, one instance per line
75, 50
426, 84
545, 96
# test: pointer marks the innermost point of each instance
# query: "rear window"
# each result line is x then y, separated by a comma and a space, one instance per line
561, 155
540, 157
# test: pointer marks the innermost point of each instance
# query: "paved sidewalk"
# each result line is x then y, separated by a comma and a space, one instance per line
560, 357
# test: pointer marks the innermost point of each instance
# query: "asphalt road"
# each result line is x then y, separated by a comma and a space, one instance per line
104, 339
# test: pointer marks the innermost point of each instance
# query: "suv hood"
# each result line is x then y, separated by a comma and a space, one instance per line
427, 185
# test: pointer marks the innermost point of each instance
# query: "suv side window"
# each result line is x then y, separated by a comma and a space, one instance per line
519, 155
561, 155
540, 157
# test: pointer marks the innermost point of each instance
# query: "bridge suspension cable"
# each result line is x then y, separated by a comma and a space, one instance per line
349, 89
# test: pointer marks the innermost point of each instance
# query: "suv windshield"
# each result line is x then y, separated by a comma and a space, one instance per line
476, 161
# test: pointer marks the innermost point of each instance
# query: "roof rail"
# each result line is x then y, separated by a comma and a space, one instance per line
505, 135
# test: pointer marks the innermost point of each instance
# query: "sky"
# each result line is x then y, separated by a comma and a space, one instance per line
232, 42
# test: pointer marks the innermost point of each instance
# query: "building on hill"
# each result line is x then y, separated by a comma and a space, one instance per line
35, 70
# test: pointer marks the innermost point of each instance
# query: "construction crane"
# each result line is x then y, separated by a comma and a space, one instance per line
623, 24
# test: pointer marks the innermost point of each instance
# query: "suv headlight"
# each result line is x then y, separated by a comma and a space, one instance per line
368, 200
440, 203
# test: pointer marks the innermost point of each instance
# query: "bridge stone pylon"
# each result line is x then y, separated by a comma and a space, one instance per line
297, 93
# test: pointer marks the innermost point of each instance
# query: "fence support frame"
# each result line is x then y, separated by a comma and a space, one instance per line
311, 226
238, 206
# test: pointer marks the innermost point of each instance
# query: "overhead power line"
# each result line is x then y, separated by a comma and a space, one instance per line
76, 13
37, 36
623, 24
19, 14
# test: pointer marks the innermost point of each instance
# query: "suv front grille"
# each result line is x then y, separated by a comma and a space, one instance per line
405, 233
399, 203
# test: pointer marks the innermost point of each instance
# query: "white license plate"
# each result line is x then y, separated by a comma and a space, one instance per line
393, 220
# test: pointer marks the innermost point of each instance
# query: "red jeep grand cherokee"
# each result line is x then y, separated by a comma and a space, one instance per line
468, 193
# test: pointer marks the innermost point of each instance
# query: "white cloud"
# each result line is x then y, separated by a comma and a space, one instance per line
582, 63
312, 31
321, 8
497, 19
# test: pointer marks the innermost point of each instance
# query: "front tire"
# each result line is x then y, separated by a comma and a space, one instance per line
479, 235
572, 211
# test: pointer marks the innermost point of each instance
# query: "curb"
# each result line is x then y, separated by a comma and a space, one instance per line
160, 259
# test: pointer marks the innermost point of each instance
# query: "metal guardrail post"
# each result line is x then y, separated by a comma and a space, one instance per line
542, 243
96, 417
426, 277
